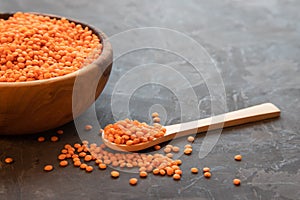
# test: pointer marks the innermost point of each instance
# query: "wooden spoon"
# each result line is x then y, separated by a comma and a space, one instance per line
246, 115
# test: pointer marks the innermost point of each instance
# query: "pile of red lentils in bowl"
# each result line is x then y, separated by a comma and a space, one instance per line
37, 47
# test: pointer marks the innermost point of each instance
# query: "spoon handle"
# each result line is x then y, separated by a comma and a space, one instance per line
238, 117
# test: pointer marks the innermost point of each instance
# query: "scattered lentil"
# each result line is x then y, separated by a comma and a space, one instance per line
176, 177
155, 114
236, 182
8, 160
207, 174
133, 181
41, 139
157, 147
54, 138
102, 166
206, 169
143, 174
194, 170
89, 168
115, 174
238, 157
190, 139
88, 127
188, 151
48, 168
63, 163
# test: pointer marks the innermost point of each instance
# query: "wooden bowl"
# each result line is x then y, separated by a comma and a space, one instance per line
36, 106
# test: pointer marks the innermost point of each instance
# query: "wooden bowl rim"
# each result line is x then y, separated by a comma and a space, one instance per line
104, 56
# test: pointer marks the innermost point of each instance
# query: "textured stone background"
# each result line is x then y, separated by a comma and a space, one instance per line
256, 46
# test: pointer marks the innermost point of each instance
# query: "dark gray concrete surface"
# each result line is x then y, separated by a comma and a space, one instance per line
255, 45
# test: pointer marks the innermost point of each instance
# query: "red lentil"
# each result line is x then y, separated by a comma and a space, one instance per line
35, 47
88, 127
157, 147
61, 156
194, 170
238, 157
236, 182
8, 160
188, 151
190, 139
102, 166
155, 114
206, 169
143, 174
133, 181
54, 139
115, 174
48, 168
63, 163
89, 168
207, 174
176, 177
41, 139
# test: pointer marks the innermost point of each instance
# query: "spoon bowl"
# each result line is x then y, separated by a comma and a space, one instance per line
238, 117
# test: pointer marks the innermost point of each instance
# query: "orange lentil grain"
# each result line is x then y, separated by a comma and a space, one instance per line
77, 163
162, 172
157, 147
88, 127
143, 174
178, 171
155, 171
76, 159
8, 160
133, 181
83, 166
238, 157
102, 166
175, 149
64, 151
63, 163
236, 182
194, 170
48, 168
155, 114
206, 169
156, 119
82, 154
207, 174
167, 150
188, 151
88, 158
190, 139
41, 139
169, 155
89, 168
169, 171
176, 177
115, 174
178, 162
61, 156
60, 132
54, 139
